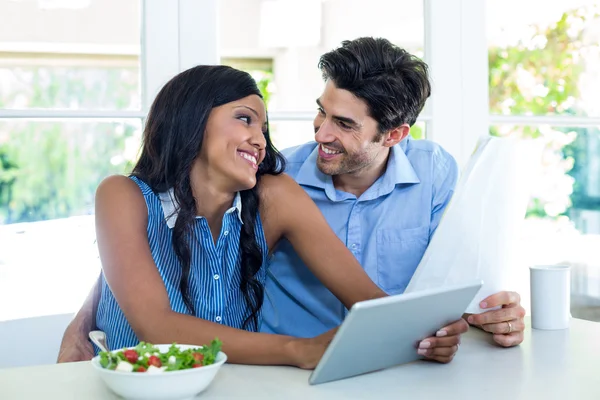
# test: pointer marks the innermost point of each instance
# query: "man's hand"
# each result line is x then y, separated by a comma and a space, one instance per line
506, 324
443, 346
75, 346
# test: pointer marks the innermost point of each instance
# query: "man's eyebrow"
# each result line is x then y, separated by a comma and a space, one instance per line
346, 120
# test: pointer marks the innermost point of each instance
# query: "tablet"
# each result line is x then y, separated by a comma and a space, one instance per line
380, 333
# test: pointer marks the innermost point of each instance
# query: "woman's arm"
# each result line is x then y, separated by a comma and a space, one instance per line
288, 211
121, 223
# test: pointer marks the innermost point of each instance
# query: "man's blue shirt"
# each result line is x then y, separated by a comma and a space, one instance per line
387, 229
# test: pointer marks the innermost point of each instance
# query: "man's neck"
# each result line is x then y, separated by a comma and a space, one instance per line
358, 182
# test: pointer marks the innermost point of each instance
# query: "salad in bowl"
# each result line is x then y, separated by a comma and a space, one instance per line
148, 371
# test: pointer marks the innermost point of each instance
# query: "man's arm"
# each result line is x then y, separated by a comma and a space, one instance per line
444, 183
74, 345
507, 324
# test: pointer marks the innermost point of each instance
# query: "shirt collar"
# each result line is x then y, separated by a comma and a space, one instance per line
167, 200
310, 175
399, 170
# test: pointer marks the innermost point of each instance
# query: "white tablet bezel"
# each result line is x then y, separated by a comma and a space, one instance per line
418, 315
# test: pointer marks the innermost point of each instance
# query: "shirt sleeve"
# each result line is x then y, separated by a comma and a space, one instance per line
444, 182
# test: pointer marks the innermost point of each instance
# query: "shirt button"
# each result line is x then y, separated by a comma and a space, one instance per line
218, 319
216, 276
353, 246
225, 233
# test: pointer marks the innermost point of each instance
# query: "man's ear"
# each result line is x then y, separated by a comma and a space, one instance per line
396, 135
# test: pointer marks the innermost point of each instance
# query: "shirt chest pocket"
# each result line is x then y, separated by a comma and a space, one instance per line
399, 252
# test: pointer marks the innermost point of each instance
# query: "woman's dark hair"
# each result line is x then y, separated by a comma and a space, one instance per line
172, 140
393, 83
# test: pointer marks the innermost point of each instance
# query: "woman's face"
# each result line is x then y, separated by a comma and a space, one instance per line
234, 143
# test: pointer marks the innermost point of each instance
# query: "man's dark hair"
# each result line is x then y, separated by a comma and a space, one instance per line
393, 83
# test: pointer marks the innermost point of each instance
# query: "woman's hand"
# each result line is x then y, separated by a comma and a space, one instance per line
443, 346
307, 353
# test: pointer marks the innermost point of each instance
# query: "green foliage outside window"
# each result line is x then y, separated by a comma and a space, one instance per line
50, 169
541, 75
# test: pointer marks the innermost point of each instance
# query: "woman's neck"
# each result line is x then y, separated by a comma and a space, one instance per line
211, 201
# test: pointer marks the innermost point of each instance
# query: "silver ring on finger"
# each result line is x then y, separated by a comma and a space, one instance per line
510, 328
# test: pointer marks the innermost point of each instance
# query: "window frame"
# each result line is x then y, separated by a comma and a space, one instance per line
176, 35
171, 34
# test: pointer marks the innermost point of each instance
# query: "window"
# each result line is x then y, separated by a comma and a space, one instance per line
70, 115
544, 82
84, 55
546, 59
78, 75
292, 35
50, 171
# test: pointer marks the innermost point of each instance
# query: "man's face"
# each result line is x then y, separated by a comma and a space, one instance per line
348, 137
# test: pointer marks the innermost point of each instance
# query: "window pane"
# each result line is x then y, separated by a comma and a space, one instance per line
293, 133
49, 172
545, 58
418, 130
563, 217
78, 54
286, 38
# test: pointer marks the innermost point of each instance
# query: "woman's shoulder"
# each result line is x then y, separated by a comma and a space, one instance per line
277, 184
277, 189
122, 190
128, 184
280, 194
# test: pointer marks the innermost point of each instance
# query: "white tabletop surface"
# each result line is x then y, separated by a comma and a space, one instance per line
548, 365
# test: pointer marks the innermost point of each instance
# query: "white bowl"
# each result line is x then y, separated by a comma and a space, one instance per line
169, 385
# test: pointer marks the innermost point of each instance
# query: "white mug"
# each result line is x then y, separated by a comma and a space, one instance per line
550, 296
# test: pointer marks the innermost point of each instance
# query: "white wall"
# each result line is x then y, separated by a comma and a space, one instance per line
32, 341
106, 22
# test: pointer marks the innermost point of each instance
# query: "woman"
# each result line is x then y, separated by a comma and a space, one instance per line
185, 239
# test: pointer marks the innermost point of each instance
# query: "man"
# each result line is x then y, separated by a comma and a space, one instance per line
382, 193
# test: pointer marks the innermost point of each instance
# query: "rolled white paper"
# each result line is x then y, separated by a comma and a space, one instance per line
477, 234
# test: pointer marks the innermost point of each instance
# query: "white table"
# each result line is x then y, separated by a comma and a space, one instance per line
548, 365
